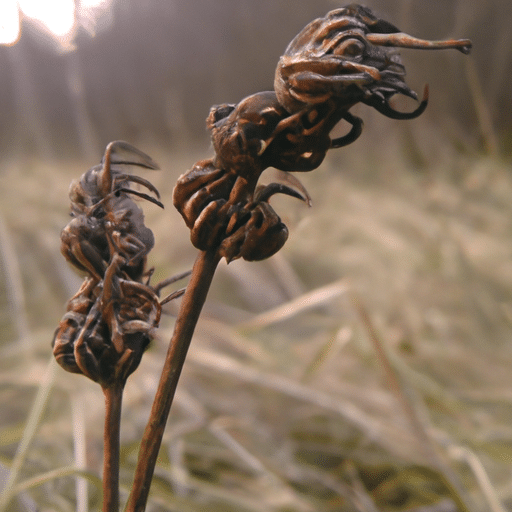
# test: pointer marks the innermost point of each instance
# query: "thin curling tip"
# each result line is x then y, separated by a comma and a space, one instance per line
402, 40
464, 46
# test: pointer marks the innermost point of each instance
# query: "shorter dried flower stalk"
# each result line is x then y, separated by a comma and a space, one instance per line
110, 321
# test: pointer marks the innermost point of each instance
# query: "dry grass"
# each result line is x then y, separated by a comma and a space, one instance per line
366, 367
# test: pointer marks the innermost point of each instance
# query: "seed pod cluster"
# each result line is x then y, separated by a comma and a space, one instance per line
334, 63
220, 199
110, 321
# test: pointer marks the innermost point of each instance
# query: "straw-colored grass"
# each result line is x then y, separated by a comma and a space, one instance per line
365, 367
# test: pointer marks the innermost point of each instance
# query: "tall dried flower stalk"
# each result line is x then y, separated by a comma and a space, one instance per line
331, 65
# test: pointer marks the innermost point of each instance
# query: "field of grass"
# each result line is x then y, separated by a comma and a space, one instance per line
366, 367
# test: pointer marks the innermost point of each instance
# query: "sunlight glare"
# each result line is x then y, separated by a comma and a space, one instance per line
9, 22
93, 4
58, 17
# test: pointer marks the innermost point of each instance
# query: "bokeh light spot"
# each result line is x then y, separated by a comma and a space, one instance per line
59, 18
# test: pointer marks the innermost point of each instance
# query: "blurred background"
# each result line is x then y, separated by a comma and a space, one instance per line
366, 366
75, 77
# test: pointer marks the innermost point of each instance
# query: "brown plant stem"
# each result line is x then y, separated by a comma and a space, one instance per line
113, 401
191, 306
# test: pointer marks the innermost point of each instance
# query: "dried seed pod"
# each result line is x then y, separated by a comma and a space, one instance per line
108, 325
259, 133
257, 233
242, 132
219, 198
112, 318
72, 324
224, 212
85, 245
343, 56
103, 179
198, 187
300, 141
105, 217
332, 64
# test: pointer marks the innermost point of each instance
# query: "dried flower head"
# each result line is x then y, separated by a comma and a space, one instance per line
111, 320
220, 199
107, 326
332, 64
105, 217
345, 56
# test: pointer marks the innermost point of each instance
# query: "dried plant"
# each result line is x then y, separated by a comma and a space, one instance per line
335, 62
